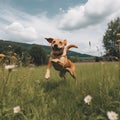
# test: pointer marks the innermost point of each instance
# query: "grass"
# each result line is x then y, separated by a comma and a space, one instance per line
58, 99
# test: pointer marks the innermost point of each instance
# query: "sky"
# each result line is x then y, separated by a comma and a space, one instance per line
80, 22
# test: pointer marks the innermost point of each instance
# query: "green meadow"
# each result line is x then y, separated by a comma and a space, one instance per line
57, 99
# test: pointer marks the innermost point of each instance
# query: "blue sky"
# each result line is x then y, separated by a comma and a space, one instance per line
51, 7
78, 21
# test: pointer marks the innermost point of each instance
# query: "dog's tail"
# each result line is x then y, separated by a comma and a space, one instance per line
70, 46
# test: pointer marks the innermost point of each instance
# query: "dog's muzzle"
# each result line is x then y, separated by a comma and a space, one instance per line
56, 50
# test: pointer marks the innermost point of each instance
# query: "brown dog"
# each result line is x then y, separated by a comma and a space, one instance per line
58, 58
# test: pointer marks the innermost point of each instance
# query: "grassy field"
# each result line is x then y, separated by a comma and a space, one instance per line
26, 90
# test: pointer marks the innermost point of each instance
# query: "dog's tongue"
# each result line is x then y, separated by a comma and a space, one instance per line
56, 52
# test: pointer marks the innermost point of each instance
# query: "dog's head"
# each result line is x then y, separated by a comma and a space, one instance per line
57, 45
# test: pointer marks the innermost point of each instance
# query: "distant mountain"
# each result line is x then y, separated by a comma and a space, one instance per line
4, 44
25, 47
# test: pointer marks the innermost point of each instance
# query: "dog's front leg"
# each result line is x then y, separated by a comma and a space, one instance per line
47, 75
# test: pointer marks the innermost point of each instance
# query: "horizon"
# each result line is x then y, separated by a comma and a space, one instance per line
44, 46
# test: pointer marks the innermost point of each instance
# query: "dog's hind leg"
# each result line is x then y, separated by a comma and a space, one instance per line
73, 74
62, 74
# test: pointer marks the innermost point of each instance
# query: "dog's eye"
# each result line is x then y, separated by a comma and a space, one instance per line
53, 42
60, 43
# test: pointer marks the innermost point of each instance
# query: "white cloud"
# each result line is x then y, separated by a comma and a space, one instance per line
93, 12
18, 31
23, 27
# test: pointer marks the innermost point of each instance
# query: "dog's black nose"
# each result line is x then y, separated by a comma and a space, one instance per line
55, 46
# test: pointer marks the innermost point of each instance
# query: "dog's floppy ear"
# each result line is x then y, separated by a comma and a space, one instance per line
49, 40
65, 42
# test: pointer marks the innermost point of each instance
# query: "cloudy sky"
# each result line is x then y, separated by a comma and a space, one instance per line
82, 22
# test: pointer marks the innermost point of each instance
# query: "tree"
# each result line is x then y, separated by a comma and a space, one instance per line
18, 51
38, 55
110, 38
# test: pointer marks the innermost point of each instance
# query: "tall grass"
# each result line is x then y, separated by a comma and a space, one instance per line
58, 99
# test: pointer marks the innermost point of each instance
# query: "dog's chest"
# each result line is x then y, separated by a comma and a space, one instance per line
58, 66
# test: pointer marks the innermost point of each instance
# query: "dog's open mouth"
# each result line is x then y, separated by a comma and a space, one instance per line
57, 51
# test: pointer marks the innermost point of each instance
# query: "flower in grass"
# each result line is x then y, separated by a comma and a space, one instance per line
112, 115
87, 99
7, 67
10, 67
16, 109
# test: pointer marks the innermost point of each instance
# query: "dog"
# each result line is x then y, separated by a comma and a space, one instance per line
58, 58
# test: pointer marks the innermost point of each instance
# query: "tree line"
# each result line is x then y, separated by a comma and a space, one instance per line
35, 54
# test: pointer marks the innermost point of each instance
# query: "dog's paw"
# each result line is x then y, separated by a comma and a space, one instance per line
47, 75
57, 62
54, 60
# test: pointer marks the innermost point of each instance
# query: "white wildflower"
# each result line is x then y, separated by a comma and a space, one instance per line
112, 115
8, 67
16, 109
87, 99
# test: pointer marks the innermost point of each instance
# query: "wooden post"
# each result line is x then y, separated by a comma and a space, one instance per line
118, 41
118, 34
